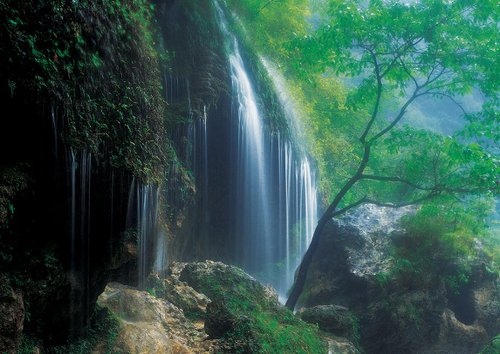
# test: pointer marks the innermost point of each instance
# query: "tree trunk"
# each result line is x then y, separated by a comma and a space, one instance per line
298, 286
306, 262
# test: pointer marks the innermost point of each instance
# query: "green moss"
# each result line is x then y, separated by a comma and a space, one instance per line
493, 347
97, 61
274, 328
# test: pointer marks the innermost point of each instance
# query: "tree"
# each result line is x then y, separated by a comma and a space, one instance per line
442, 49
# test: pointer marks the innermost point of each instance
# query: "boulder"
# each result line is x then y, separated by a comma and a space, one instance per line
152, 325
401, 309
333, 319
340, 346
167, 285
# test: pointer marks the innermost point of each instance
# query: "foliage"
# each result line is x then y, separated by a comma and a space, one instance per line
98, 61
447, 229
408, 61
102, 335
435, 49
438, 236
493, 347
271, 23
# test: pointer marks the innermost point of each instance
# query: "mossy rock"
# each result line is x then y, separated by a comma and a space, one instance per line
246, 315
493, 347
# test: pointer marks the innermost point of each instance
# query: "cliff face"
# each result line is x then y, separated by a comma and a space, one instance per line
86, 158
430, 303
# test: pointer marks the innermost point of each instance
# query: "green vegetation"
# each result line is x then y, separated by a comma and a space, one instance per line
272, 328
101, 336
96, 61
436, 56
440, 234
493, 347
264, 16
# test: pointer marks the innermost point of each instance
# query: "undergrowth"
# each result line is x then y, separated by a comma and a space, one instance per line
101, 337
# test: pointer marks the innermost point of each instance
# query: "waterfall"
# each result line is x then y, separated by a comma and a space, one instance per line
147, 217
80, 192
275, 209
142, 218
253, 171
256, 198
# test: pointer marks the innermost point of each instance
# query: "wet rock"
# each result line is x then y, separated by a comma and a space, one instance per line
223, 284
456, 337
152, 325
271, 294
214, 278
12, 313
236, 314
340, 346
168, 286
401, 309
330, 318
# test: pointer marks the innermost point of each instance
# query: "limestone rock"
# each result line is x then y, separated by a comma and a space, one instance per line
168, 286
340, 346
456, 337
271, 294
227, 278
152, 325
401, 313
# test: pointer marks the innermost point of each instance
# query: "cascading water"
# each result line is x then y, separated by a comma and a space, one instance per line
253, 171
255, 201
275, 209
142, 218
80, 192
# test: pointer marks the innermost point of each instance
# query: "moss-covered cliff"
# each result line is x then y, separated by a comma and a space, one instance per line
85, 126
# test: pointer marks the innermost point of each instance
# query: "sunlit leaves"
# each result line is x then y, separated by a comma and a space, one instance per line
271, 23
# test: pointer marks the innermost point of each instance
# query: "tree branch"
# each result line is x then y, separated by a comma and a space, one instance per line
353, 205
377, 101
397, 179
413, 202
398, 118
454, 101
437, 188
417, 86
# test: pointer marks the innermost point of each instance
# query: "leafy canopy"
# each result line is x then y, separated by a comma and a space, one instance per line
433, 48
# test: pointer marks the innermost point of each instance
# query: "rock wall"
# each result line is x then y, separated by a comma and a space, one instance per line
85, 128
400, 309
